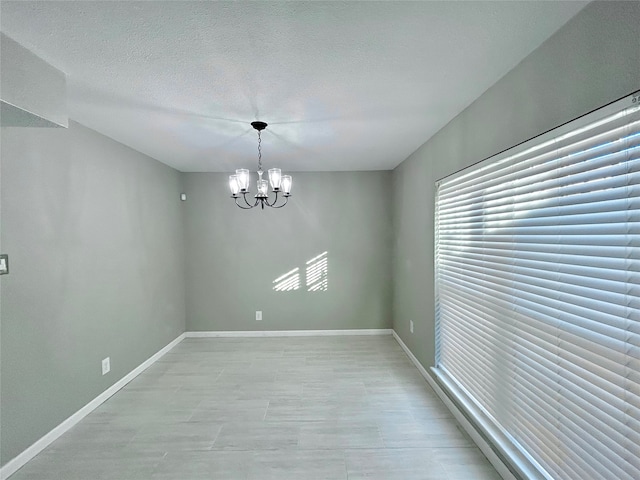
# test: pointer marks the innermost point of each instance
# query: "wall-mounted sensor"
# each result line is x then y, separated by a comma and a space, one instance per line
4, 264
183, 196
106, 365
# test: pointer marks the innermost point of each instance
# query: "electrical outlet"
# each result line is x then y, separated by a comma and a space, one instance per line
106, 365
411, 325
258, 315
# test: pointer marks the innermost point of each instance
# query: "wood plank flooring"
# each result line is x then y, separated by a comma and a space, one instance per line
303, 408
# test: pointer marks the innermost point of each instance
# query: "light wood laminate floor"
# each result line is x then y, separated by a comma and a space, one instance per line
302, 408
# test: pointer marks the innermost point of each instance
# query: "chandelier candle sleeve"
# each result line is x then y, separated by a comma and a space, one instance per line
243, 179
233, 185
286, 184
263, 188
275, 175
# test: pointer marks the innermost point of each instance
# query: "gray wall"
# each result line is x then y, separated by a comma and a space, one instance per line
95, 237
593, 60
233, 256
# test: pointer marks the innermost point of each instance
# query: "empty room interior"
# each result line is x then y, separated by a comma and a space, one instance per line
320, 240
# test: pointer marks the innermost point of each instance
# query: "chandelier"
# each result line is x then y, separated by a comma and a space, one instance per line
239, 183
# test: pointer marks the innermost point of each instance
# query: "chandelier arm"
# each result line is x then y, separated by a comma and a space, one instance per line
244, 208
286, 199
266, 200
244, 195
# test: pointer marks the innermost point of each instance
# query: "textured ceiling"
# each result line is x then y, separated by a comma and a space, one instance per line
343, 85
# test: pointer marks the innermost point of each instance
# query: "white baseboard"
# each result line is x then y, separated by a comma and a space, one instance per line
19, 461
482, 444
290, 333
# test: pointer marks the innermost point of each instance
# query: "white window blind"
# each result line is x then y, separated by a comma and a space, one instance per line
537, 269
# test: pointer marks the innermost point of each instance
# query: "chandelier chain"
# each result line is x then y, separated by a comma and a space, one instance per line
259, 152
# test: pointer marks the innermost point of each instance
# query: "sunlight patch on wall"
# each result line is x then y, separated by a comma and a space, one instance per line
318, 273
287, 282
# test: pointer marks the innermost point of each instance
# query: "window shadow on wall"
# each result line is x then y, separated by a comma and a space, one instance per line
287, 282
318, 273
316, 276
